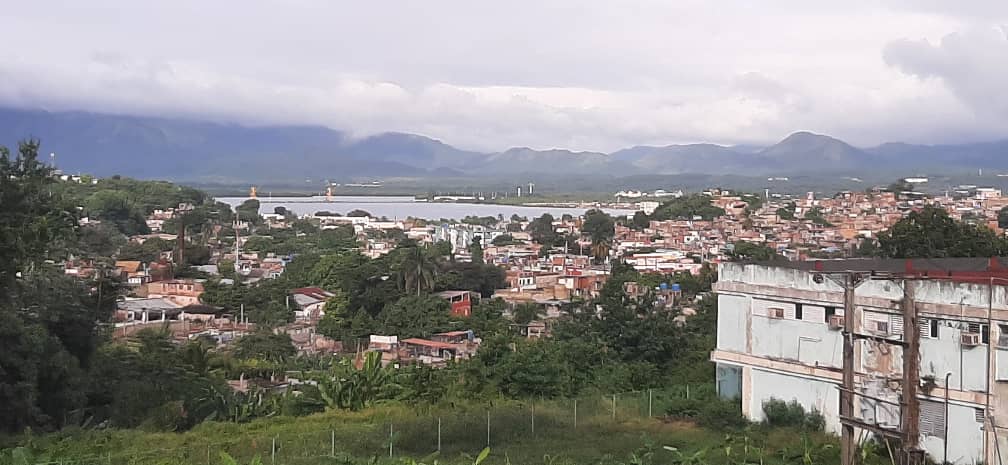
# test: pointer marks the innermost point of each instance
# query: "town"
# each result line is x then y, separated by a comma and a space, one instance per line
766, 272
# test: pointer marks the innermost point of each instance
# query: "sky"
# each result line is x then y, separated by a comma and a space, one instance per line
580, 74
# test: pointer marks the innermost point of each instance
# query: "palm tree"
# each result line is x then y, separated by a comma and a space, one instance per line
418, 271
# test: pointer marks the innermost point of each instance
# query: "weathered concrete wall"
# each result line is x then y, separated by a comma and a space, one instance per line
810, 342
733, 322
945, 354
965, 437
821, 395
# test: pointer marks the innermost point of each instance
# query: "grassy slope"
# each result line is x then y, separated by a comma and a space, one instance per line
361, 436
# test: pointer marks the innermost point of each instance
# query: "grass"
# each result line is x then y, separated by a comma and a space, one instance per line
363, 437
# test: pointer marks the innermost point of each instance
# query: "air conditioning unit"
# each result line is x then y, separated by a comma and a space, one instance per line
775, 313
836, 322
879, 327
970, 339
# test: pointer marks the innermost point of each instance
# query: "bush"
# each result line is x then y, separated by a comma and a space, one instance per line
779, 413
716, 414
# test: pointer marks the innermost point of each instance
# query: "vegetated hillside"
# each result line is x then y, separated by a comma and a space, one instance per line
192, 150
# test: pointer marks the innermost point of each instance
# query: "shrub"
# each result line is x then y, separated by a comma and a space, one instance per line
708, 413
777, 412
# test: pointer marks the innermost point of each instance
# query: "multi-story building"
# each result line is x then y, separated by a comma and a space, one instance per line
782, 329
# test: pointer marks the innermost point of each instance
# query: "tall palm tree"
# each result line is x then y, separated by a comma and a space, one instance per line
418, 271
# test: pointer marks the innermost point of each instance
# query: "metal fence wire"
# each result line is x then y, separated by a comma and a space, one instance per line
448, 432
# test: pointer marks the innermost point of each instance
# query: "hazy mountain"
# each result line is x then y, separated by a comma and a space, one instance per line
691, 158
191, 150
808, 152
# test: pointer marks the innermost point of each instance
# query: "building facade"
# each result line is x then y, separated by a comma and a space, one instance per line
781, 331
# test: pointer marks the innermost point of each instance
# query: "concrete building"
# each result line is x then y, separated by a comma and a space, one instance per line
781, 335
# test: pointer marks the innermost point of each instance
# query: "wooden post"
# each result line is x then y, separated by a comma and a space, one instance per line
533, 418
390, 440
649, 403
575, 413
911, 377
273, 451
614, 407
488, 428
439, 434
332, 450
847, 393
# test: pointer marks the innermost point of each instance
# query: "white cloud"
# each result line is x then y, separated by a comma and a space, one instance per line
589, 75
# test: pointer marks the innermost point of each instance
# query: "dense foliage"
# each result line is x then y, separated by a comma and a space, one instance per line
931, 233
687, 207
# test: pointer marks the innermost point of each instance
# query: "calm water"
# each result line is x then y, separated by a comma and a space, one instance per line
402, 207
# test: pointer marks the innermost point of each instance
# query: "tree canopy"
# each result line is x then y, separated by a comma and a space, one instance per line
932, 233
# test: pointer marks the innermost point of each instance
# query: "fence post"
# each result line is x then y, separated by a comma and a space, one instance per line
614, 407
687, 391
649, 403
488, 428
390, 440
575, 413
439, 434
208, 453
273, 451
332, 450
533, 418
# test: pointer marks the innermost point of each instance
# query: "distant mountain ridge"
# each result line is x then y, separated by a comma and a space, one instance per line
180, 149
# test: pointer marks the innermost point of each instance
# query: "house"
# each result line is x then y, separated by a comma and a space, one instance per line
782, 333
132, 310
310, 302
461, 302
428, 352
133, 272
181, 291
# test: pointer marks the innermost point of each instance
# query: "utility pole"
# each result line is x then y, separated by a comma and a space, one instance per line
847, 393
911, 378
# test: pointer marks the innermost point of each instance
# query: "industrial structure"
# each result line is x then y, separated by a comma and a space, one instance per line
912, 353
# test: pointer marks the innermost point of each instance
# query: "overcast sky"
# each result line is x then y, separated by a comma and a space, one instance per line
579, 74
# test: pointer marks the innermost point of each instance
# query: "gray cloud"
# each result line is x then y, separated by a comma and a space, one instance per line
973, 64
591, 75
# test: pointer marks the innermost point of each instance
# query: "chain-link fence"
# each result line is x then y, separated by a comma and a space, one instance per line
405, 432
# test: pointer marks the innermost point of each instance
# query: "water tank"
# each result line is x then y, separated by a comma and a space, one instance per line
676, 287
664, 286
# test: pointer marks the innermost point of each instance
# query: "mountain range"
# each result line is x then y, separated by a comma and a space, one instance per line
181, 149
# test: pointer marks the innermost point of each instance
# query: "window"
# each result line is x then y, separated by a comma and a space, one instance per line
932, 418
830, 311
929, 327
981, 329
798, 311
978, 414
1003, 336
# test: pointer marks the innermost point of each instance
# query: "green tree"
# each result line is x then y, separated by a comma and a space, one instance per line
417, 271
359, 213
687, 207
542, 230
1002, 218
116, 208
744, 250
503, 239
523, 314
931, 233
416, 316
32, 221
601, 228
265, 345
476, 250
249, 211
640, 221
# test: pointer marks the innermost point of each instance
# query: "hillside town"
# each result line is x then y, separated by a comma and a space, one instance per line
265, 290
